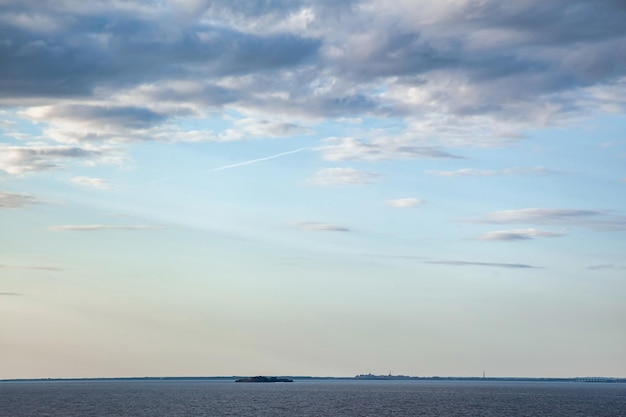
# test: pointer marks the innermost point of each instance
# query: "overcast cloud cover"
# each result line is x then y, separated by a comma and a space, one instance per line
464, 133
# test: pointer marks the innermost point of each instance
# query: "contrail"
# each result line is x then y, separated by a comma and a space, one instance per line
254, 161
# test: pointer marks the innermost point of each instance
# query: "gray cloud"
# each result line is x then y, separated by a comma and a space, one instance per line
487, 264
63, 62
12, 200
606, 267
10, 294
125, 116
458, 74
343, 176
321, 227
517, 234
99, 227
24, 159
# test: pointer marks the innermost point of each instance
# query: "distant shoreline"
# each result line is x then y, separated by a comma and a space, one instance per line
354, 378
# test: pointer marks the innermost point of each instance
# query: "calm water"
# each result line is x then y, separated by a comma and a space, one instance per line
311, 398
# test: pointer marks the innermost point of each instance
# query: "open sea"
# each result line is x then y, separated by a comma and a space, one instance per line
155, 398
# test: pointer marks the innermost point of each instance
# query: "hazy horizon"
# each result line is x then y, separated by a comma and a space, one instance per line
296, 187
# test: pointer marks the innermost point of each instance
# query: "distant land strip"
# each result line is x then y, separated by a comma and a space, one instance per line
367, 377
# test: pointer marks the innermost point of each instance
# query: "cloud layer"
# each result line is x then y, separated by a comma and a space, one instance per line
454, 73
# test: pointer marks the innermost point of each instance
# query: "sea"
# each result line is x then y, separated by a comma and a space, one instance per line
348, 398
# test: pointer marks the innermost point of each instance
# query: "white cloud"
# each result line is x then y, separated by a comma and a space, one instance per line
530, 215
321, 227
92, 182
247, 128
469, 172
405, 202
343, 176
351, 149
517, 234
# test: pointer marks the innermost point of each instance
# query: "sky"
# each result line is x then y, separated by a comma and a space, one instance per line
327, 188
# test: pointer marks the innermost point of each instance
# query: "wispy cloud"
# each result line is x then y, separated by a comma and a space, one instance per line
321, 227
469, 172
405, 202
517, 234
13, 200
610, 267
10, 294
351, 149
343, 176
600, 220
538, 215
254, 161
32, 267
486, 264
98, 227
92, 182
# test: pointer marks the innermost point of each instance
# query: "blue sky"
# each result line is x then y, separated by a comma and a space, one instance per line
198, 187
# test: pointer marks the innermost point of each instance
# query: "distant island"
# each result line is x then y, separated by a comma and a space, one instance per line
361, 377
264, 379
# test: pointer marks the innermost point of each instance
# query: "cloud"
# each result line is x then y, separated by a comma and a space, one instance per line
122, 38
10, 294
32, 267
254, 161
446, 75
517, 234
254, 128
405, 202
33, 158
606, 267
350, 149
486, 264
92, 182
468, 172
99, 227
599, 220
538, 215
343, 176
321, 227
468, 74
12, 200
